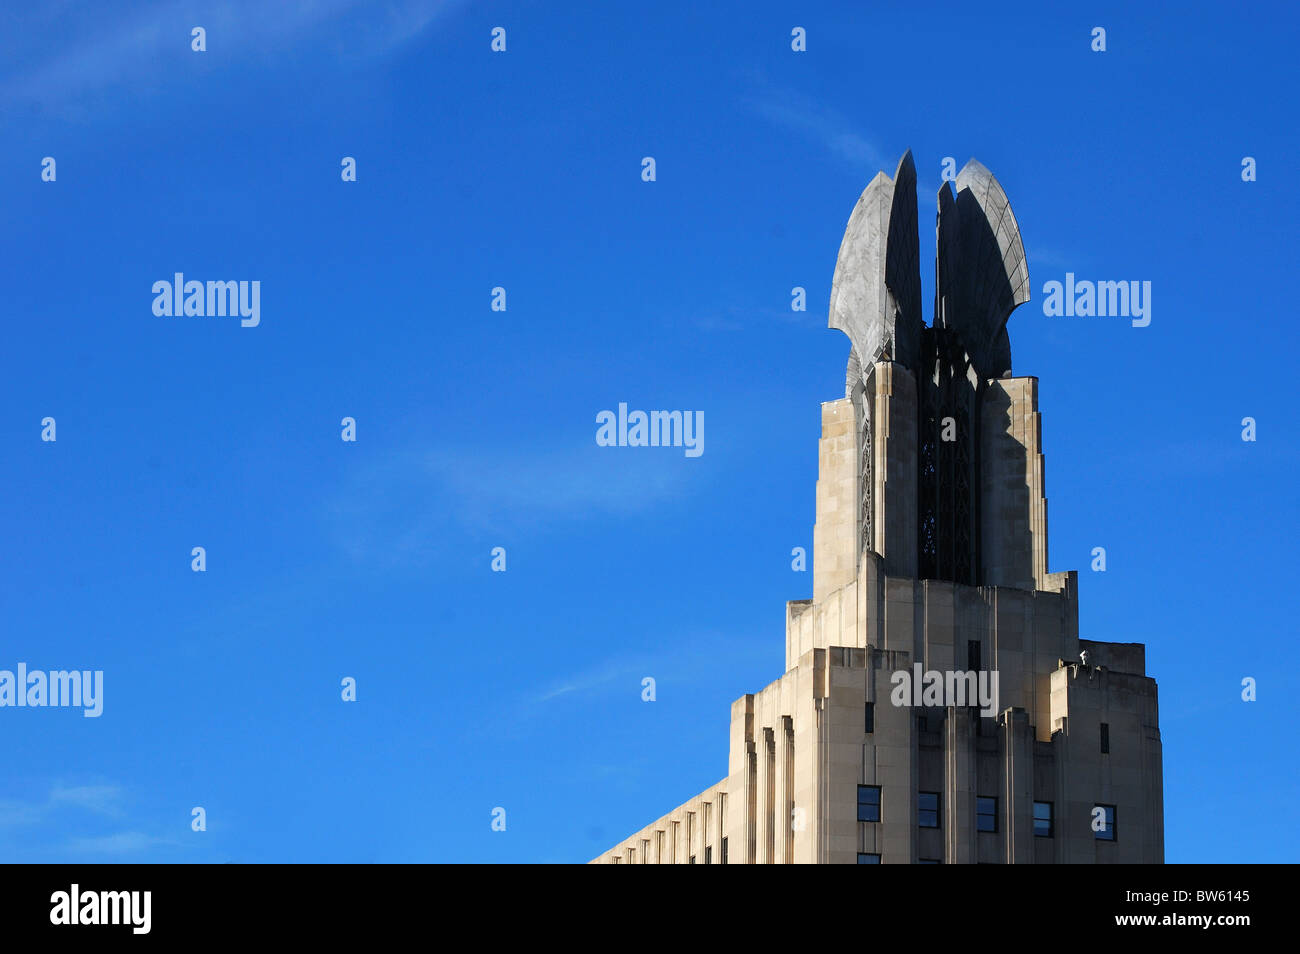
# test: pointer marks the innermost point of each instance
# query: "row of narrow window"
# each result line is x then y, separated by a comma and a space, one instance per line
923, 724
986, 813
868, 859
708, 853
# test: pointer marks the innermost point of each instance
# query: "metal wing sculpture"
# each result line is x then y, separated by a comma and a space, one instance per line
876, 292
981, 278
981, 270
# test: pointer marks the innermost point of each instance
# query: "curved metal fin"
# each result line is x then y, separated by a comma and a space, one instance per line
982, 272
876, 291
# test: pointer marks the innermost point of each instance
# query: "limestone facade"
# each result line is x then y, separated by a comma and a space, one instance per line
930, 547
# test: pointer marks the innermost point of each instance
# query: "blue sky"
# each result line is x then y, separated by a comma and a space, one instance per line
475, 428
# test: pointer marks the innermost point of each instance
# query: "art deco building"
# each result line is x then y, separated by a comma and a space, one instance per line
930, 547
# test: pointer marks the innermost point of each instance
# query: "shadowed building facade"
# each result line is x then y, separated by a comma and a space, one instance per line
930, 555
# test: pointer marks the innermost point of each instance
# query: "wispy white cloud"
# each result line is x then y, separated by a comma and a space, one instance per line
101, 799
589, 680
580, 480
68, 806
1050, 257
684, 662
109, 50
821, 123
119, 843
15, 813
400, 505
733, 317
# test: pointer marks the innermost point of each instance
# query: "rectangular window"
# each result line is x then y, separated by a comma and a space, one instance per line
1104, 830
723, 859
973, 655
871, 717
1043, 820
869, 803
927, 809
928, 861
692, 861
708, 854
1105, 737
986, 813
865, 859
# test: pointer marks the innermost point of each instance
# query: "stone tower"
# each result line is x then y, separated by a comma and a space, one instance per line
929, 579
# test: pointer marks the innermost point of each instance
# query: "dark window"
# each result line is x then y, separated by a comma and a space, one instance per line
927, 811
869, 803
1104, 831
928, 861
871, 717
692, 861
986, 813
723, 859
864, 859
1043, 820
973, 655
708, 854
1105, 737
